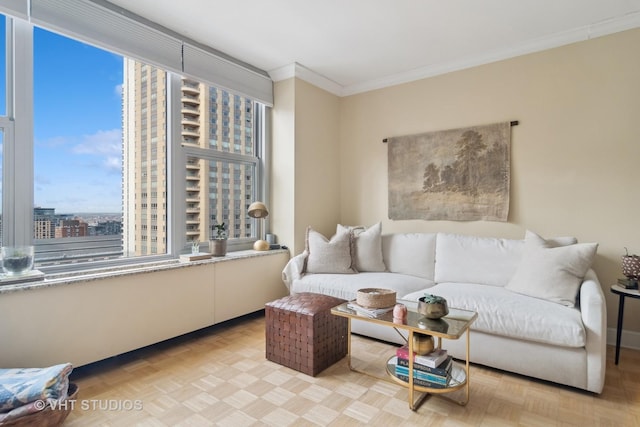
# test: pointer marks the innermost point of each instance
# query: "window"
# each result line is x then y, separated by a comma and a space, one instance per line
225, 168
101, 155
78, 150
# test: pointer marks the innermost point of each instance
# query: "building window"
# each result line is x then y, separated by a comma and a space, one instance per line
101, 144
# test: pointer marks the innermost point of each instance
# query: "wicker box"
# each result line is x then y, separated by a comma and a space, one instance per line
47, 417
302, 334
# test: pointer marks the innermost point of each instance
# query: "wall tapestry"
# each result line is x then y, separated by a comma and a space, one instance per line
456, 174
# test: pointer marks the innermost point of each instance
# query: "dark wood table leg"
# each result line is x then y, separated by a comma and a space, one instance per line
619, 331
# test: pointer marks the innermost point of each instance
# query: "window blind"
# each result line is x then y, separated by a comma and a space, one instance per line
108, 29
107, 26
17, 8
223, 73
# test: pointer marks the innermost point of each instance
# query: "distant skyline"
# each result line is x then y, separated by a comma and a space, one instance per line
77, 124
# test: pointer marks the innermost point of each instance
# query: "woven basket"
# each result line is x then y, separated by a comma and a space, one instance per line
47, 417
376, 298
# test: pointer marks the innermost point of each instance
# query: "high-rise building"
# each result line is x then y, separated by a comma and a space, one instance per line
216, 190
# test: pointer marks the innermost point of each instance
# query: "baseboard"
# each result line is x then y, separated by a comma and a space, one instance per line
629, 339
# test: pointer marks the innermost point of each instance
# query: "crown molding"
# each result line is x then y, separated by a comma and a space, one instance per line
308, 75
587, 32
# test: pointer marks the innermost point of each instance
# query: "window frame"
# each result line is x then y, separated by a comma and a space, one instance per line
18, 158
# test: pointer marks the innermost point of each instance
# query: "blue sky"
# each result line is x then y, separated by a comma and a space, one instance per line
77, 125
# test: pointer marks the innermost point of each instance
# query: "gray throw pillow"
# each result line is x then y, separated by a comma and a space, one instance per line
328, 256
367, 253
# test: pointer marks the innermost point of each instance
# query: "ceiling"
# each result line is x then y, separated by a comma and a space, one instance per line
352, 46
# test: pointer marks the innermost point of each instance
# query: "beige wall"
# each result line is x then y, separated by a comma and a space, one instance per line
306, 146
575, 154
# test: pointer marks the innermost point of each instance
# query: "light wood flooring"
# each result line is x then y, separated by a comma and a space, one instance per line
219, 376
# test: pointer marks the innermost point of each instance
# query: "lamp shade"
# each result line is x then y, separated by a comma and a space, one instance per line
258, 210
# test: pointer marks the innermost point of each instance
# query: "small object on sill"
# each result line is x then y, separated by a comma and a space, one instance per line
194, 257
274, 246
30, 276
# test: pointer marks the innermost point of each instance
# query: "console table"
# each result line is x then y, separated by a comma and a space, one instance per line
622, 292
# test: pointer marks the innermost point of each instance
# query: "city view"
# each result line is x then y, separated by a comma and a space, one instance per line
100, 155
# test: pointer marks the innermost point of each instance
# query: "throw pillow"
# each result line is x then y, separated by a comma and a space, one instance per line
367, 253
552, 272
328, 256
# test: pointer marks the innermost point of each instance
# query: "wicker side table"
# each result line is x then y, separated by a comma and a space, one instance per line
302, 334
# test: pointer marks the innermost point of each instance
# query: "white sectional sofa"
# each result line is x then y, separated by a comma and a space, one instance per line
551, 326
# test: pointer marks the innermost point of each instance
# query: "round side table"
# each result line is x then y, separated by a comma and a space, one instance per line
622, 292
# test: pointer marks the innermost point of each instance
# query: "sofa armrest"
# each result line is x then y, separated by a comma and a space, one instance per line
594, 317
294, 269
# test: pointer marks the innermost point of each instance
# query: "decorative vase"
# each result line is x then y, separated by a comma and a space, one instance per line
631, 266
423, 344
218, 247
17, 260
400, 314
432, 307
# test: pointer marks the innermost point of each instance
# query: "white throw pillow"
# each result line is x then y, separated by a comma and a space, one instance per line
367, 254
328, 256
551, 272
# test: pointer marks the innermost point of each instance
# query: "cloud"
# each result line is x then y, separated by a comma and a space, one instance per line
102, 142
54, 142
118, 90
113, 164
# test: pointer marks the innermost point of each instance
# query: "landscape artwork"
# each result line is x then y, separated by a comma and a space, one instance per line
457, 174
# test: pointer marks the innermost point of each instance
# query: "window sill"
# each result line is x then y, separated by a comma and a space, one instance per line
60, 279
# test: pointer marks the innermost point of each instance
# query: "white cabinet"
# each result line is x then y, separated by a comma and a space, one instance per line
245, 285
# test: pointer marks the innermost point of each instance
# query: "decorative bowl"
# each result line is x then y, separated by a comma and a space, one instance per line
432, 308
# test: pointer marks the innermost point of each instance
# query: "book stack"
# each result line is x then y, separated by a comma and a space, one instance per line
368, 312
431, 370
628, 283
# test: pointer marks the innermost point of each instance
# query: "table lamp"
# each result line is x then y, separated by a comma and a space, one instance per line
259, 210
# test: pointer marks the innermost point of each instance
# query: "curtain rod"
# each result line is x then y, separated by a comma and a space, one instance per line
512, 123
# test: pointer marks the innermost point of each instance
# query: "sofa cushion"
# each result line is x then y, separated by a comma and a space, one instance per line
470, 259
346, 286
550, 272
410, 253
328, 256
367, 253
505, 313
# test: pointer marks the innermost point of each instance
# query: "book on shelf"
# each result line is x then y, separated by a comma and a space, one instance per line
442, 369
628, 283
423, 378
421, 383
431, 360
368, 312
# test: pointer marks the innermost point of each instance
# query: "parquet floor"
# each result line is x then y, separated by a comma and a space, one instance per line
219, 376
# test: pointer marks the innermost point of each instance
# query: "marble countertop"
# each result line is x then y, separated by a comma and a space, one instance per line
38, 281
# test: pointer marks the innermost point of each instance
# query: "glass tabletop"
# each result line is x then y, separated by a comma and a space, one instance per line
452, 326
